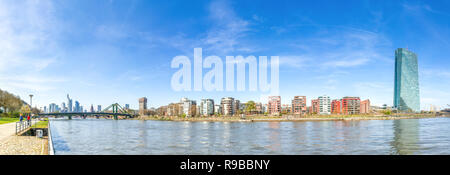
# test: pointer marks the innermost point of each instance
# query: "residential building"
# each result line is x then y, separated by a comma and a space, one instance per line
274, 105
299, 105
206, 107
336, 107
228, 106
365, 107
286, 109
189, 107
315, 109
324, 105
217, 109
351, 105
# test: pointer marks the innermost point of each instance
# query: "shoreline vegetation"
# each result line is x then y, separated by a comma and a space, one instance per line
287, 118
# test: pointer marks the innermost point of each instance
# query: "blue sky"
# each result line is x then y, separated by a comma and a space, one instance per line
107, 51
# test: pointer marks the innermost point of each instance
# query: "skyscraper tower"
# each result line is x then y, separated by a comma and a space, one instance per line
406, 81
69, 104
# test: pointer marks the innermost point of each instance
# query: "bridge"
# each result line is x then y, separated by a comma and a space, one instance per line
114, 110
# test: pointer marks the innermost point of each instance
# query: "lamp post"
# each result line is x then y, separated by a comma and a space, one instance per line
31, 103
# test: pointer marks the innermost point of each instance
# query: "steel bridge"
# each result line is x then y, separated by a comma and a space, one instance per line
114, 110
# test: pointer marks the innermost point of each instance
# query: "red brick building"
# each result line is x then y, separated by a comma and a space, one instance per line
274, 105
315, 109
336, 107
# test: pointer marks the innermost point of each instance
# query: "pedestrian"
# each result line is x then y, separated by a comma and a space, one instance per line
21, 118
28, 119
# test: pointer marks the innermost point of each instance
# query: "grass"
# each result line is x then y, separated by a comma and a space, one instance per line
41, 124
4, 120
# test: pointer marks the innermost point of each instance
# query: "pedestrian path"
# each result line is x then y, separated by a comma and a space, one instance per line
7, 130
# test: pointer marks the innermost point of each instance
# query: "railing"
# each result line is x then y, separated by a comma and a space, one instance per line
23, 125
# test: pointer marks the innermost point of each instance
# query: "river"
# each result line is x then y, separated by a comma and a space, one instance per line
101, 136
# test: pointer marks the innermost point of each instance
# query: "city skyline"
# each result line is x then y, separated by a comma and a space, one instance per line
120, 58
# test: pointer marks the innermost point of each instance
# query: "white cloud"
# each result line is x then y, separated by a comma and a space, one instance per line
28, 32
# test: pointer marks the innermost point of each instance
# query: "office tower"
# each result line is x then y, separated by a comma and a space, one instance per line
228, 106
324, 105
206, 107
92, 108
351, 105
142, 105
365, 107
99, 108
69, 104
63, 107
274, 105
77, 107
299, 105
127, 106
406, 81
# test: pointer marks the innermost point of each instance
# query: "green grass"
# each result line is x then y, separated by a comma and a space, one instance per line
5, 120
41, 124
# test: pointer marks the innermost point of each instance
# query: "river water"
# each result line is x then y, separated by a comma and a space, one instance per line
100, 136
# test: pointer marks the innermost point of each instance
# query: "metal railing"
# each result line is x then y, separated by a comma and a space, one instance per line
23, 125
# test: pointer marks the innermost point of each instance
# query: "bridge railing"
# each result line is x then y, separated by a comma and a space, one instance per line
23, 125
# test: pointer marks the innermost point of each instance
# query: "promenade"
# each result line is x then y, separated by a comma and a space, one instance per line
10, 144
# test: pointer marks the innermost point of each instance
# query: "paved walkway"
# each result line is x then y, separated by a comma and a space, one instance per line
20, 145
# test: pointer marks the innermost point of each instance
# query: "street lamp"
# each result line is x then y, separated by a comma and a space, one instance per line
31, 100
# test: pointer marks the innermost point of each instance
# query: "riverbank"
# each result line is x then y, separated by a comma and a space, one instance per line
288, 118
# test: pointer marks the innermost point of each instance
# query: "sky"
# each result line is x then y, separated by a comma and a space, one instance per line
107, 51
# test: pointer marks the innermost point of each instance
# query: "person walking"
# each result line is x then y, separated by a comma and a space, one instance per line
21, 118
28, 120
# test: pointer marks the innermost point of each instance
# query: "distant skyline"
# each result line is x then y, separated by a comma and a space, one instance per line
107, 51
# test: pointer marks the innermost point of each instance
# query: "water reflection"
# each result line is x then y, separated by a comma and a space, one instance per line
94, 136
406, 137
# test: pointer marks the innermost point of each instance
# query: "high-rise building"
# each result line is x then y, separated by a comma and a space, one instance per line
274, 105
69, 104
299, 105
99, 108
351, 105
228, 106
324, 105
142, 105
77, 107
92, 108
365, 107
336, 107
127, 106
406, 81
206, 107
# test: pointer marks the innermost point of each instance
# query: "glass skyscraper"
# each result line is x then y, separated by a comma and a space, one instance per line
406, 90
